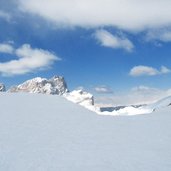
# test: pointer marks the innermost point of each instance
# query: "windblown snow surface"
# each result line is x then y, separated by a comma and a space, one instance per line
48, 133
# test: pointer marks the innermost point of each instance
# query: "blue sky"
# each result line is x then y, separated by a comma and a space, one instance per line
109, 48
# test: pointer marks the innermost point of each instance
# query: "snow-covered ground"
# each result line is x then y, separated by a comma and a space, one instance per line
48, 133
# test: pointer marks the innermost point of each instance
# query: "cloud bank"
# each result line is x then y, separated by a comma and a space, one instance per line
148, 71
137, 95
29, 60
106, 39
134, 15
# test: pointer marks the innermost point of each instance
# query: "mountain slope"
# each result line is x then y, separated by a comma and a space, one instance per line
161, 103
48, 133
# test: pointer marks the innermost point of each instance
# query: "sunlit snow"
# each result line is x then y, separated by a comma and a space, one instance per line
48, 133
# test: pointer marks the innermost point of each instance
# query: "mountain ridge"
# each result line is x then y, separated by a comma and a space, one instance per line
55, 86
58, 86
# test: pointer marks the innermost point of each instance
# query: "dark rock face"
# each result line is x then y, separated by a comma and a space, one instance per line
116, 108
59, 83
2, 87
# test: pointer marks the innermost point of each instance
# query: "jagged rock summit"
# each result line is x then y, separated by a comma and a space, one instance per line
2, 87
55, 86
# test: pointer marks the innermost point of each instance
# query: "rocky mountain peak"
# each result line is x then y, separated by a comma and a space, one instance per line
56, 86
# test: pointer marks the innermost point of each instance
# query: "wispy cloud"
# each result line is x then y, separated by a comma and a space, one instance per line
107, 39
4, 15
103, 89
6, 48
29, 60
163, 35
148, 71
128, 15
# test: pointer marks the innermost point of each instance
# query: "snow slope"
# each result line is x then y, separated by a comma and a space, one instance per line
48, 133
161, 103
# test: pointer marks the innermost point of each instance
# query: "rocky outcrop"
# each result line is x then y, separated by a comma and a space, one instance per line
2, 87
54, 86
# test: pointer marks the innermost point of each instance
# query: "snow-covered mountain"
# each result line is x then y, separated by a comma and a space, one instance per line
55, 86
82, 98
58, 86
2, 87
136, 109
48, 133
163, 103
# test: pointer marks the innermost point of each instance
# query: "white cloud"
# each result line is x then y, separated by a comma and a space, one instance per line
163, 35
143, 70
103, 90
29, 60
5, 15
108, 40
137, 95
148, 71
123, 14
164, 70
6, 48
